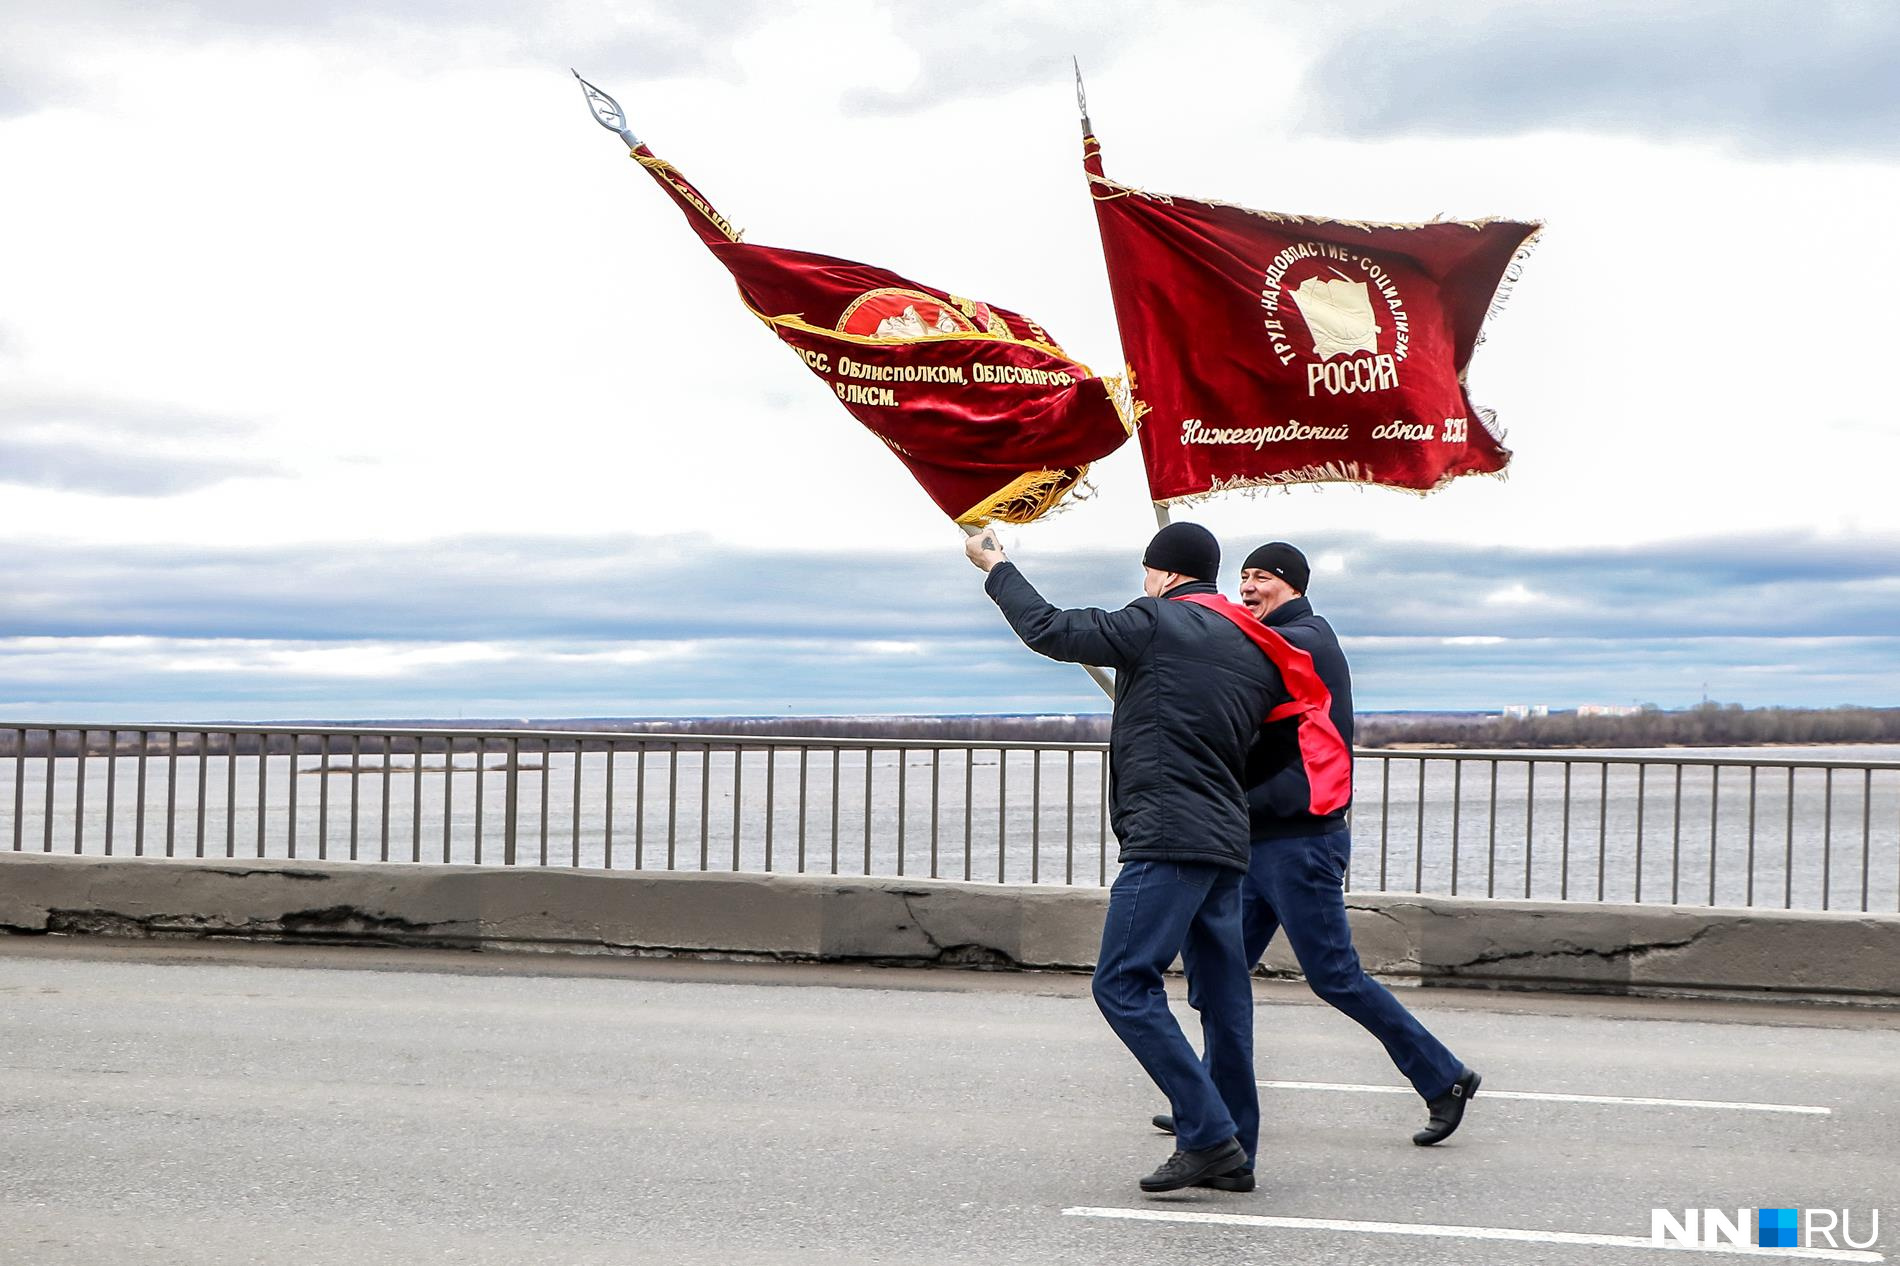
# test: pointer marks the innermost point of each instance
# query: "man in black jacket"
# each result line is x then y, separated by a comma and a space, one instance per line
1296, 877
1190, 694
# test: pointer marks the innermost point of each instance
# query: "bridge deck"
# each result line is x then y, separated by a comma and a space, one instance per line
258, 1104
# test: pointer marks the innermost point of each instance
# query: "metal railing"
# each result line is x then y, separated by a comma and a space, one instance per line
1571, 826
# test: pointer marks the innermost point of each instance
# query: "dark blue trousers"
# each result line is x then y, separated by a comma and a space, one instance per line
1157, 910
1297, 883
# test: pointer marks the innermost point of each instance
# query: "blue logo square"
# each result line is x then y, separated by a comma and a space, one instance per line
1775, 1228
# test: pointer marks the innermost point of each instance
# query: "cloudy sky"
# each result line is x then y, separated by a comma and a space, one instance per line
347, 369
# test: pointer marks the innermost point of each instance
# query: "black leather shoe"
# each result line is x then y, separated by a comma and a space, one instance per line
1233, 1180
1163, 1122
1184, 1169
1448, 1110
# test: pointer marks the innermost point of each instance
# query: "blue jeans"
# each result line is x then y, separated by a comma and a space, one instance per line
1298, 883
1157, 910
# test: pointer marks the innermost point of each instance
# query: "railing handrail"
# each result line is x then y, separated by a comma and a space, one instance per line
1575, 755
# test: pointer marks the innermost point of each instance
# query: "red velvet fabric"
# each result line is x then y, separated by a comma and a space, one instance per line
1281, 349
989, 415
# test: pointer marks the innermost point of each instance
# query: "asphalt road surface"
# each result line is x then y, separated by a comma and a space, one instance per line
264, 1104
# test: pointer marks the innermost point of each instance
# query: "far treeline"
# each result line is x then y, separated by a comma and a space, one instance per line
1705, 725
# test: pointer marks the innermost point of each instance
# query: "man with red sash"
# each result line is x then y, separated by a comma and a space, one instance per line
1191, 690
1295, 879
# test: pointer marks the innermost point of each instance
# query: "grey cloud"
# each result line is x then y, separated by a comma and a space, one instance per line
977, 49
96, 446
1780, 76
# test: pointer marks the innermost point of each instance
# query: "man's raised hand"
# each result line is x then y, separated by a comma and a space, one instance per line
983, 548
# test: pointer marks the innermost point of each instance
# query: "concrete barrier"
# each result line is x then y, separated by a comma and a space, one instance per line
1405, 939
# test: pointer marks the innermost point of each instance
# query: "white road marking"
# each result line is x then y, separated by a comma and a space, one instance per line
1466, 1233
1542, 1096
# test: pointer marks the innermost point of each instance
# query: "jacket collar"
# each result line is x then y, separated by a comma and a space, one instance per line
1288, 611
1185, 588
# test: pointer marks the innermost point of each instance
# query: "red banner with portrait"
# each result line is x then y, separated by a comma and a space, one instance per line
983, 407
1277, 349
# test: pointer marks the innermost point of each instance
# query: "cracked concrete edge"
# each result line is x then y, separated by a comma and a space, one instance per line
1403, 938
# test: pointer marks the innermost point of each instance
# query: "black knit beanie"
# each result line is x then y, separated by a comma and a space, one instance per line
1187, 548
1283, 561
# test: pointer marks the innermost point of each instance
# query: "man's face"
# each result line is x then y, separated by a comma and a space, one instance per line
1261, 591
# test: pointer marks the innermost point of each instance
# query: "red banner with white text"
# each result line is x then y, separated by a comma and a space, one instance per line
987, 412
1276, 349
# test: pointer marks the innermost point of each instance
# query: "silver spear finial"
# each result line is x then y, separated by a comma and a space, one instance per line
607, 111
1081, 97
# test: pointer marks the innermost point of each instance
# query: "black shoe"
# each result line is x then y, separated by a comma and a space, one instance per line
1448, 1110
1163, 1122
1233, 1180
1184, 1169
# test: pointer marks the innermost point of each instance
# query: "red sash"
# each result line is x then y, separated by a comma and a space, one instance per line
1322, 750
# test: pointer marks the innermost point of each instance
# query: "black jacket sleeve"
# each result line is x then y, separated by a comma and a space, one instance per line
1084, 635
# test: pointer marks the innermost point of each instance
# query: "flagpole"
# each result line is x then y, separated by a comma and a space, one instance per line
1162, 518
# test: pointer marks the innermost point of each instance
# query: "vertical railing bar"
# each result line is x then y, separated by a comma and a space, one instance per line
705, 804
771, 787
1866, 834
448, 795
574, 805
1715, 817
1035, 816
1675, 842
639, 806
1002, 811
415, 800
836, 756
511, 802
1603, 823
1753, 771
1491, 843
1101, 821
903, 766
112, 779
230, 794
1385, 816
867, 810
1563, 879
79, 800
936, 801
804, 796
1457, 807
1418, 852
672, 802
1642, 779
738, 798
52, 752
1787, 873
263, 788
1068, 860
138, 836
481, 793
1827, 843
389, 756
19, 789
290, 847
171, 789
547, 776
1530, 815
323, 803
969, 783
356, 776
